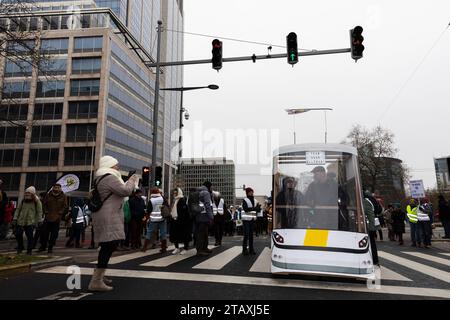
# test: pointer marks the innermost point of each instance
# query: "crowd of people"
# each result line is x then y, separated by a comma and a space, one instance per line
126, 220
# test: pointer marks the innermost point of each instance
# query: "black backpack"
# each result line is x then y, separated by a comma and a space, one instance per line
95, 202
194, 204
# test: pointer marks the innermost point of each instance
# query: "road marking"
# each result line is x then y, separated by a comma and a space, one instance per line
134, 255
262, 264
171, 259
419, 267
388, 274
66, 295
428, 257
219, 261
257, 281
445, 254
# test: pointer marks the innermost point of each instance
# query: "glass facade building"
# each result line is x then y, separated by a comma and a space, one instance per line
93, 97
442, 168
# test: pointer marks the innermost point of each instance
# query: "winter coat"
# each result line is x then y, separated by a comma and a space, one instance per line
287, 202
9, 213
55, 207
109, 220
205, 197
181, 227
29, 213
370, 214
398, 221
444, 209
137, 207
3, 203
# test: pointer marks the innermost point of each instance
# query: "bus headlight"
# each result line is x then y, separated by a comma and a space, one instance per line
363, 242
278, 237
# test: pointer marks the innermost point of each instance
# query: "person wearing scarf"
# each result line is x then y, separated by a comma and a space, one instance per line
181, 223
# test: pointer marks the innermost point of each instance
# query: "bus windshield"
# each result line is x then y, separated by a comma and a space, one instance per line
317, 190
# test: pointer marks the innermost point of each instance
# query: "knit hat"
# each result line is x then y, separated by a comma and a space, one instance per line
31, 190
108, 162
248, 190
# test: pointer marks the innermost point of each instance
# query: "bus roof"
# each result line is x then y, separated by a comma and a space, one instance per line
316, 147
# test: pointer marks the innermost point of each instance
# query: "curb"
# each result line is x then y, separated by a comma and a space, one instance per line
37, 265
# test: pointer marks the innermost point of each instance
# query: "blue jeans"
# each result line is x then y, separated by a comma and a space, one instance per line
248, 234
153, 226
415, 237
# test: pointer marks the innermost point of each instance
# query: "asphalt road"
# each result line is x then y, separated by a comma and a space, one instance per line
408, 273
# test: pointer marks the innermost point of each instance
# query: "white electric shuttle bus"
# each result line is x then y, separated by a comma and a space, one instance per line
319, 224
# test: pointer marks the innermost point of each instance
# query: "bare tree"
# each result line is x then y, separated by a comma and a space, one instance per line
374, 147
19, 47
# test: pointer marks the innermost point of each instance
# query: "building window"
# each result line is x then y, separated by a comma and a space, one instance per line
45, 134
50, 89
86, 65
88, 44
12, 135
11, 181
18, 90
55, 46
42, 181
90, 87
18, 68
43, 157
83, 109
81, 132
78, 156
20, 47
13, 112
48, 111
53, 67
11, 158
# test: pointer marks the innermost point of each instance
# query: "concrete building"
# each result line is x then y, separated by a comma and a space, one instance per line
221, 172
442, 169
94, 96
391, 186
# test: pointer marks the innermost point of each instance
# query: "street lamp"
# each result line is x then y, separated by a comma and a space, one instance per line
184, 110
294, 112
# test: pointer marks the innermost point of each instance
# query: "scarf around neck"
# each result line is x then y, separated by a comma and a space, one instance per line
102, 171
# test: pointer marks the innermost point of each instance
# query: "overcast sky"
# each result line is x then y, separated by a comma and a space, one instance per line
398, 35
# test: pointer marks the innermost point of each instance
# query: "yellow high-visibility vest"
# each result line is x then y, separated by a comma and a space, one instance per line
412, 214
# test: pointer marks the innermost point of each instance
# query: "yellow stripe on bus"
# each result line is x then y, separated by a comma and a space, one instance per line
316, 238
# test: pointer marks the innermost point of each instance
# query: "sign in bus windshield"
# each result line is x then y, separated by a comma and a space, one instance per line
315, 158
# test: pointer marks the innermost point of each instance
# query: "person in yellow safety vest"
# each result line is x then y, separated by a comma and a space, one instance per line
411, 212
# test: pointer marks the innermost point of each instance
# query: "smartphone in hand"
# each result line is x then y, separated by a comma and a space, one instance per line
130, 173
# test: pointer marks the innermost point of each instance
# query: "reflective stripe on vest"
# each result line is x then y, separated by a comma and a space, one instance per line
155, 215
412, 214
218, 209
251, 215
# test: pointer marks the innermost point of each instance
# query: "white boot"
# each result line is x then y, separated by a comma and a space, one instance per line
107, 281
97, 283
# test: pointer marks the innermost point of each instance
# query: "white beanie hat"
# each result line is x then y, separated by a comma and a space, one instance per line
108, 162
31, 190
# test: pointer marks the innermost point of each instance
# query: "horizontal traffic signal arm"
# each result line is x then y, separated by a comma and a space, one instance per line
252, 57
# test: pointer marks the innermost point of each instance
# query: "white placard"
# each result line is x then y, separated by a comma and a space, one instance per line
315, 158
417, 189
69, 183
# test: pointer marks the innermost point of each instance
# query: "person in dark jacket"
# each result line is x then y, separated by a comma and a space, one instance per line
137, 209
250, 207
204, 219
287, 201
79, 222
444, 215
180, 223
219, 211
398, 218
55, 208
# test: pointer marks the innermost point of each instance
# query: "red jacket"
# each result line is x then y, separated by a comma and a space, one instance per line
9, 213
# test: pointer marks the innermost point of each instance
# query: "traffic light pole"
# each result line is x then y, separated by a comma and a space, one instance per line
156, 107
248, 58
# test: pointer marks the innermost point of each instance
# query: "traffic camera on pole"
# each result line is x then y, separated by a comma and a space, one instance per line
217, 54
357, 39
292, 48
145, 176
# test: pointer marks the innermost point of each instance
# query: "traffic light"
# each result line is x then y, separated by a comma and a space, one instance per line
292, 48
357, 39
217, 54
158, 176
145, 176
